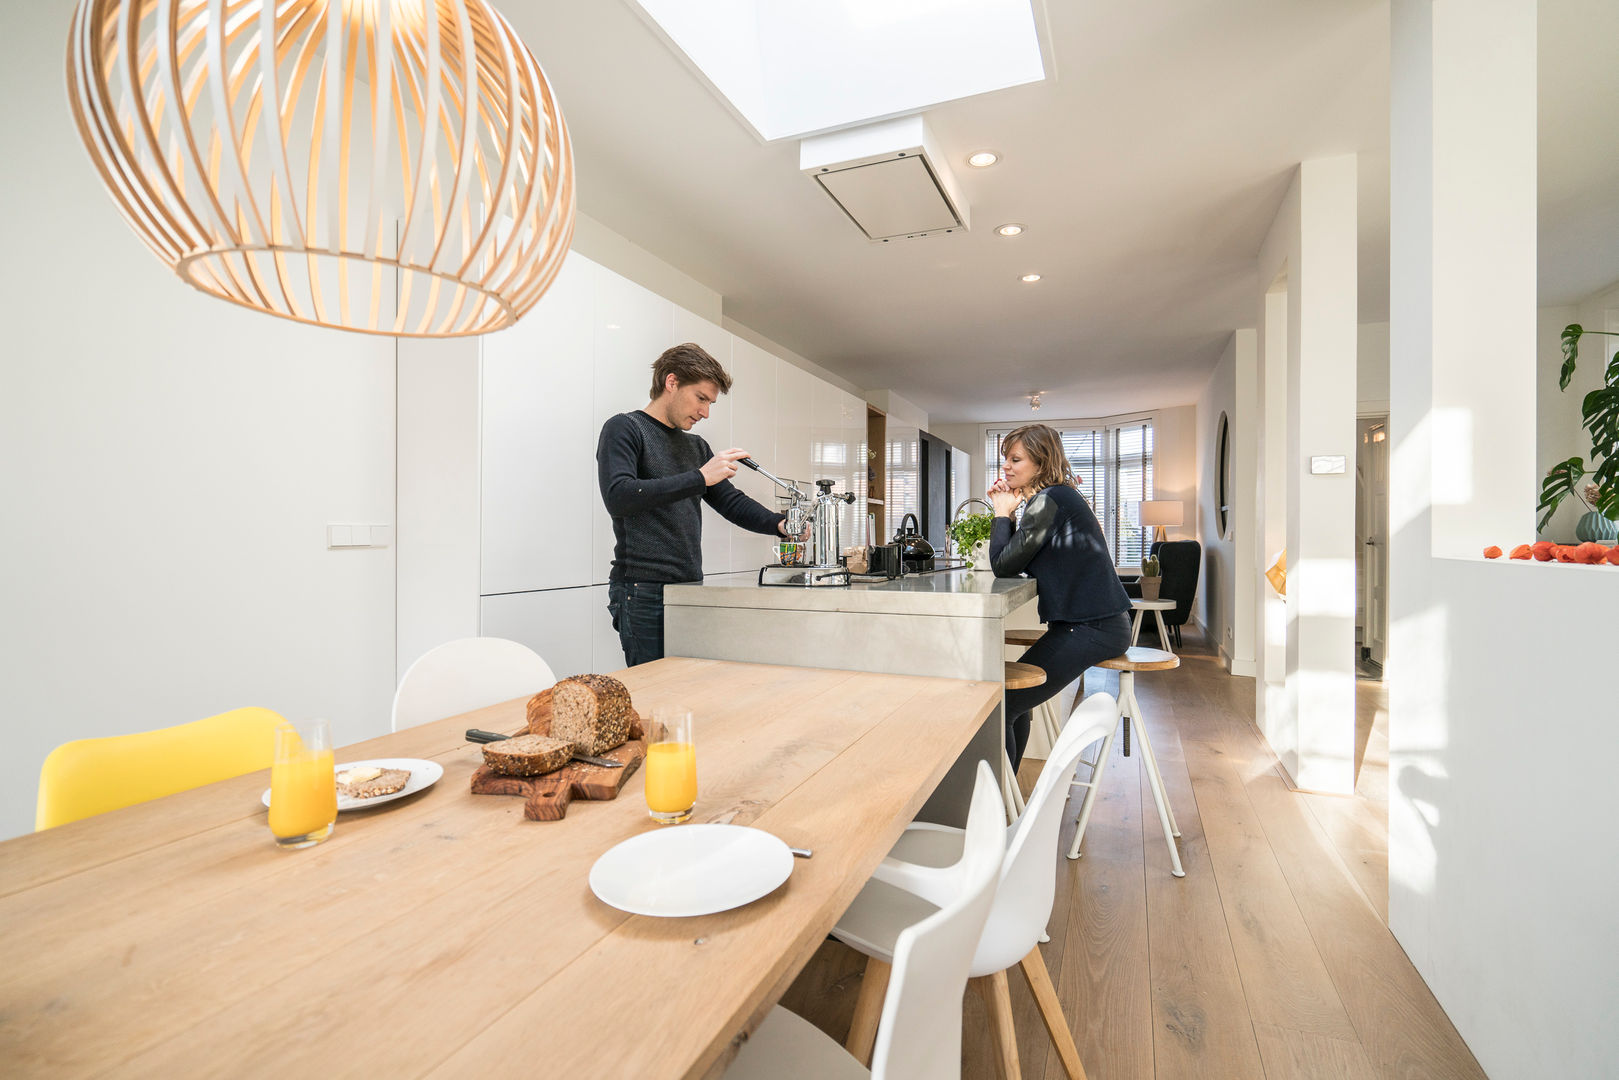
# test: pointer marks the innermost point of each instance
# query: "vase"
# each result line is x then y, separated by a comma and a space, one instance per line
980, 555
1592, 526
1149, 587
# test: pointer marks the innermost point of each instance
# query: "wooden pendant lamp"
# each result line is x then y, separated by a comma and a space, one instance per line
393, 167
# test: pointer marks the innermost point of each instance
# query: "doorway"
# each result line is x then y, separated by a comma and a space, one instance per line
1371, 544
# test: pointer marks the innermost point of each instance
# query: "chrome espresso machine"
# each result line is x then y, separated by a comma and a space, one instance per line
819, 565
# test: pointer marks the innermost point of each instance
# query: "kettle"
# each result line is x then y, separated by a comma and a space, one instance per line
914, 548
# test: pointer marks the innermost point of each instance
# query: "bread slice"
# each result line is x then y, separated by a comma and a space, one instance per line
593, 712
527, 755
539, 713
386, 782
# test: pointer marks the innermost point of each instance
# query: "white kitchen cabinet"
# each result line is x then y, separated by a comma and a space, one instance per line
537, 444
753, 428
716, 430
556, 623
632, 327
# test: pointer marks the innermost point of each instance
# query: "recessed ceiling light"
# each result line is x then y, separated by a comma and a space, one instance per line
1011, 228
983, 159
1029, 279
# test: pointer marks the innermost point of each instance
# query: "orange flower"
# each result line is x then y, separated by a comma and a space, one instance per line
1543, 550
1563, 553
1522, 551
1492, 552
1613, 555
1590, 553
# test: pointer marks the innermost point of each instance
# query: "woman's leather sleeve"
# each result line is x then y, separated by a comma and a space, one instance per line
1010, 552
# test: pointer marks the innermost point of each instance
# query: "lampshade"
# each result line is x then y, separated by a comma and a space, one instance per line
390, 166
1162, 512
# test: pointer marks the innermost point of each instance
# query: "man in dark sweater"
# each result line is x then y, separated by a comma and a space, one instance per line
653, 473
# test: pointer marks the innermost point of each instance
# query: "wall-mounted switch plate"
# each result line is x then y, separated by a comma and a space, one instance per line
358, 536
1326, 464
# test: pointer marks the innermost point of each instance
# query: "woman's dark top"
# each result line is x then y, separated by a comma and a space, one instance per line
1059, 543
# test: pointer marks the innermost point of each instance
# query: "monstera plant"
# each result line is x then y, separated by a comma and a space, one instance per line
1600, 413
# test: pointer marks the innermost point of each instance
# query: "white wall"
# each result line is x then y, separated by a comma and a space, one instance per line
1215, 607
170, 465
1372, 369
1501, 888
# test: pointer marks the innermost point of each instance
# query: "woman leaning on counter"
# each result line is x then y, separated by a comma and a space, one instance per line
1058, 542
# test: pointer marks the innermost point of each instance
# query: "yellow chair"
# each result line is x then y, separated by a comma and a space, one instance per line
91, 776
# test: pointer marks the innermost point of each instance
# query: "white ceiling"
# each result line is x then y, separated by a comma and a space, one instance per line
1147, 172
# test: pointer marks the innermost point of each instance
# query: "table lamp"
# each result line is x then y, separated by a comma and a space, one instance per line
1161, 512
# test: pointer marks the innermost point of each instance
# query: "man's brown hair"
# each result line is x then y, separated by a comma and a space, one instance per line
688, 363
1043, 447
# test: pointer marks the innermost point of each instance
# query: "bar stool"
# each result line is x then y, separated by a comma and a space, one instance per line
1045, 718
1018, 677
1133, 660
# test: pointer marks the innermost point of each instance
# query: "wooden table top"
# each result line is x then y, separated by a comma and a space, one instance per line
443, 934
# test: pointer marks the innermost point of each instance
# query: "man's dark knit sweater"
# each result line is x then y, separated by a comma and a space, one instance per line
651, 480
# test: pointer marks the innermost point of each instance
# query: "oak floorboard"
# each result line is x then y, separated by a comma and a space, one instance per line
1297, 1055
1283, 976
1201, 1023
1104, 982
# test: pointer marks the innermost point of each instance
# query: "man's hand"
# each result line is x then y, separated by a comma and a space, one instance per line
781, 527
722, 466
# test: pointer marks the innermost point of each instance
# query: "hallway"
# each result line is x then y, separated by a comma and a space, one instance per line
1271, 958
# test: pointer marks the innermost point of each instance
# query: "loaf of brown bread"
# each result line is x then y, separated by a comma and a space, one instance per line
527, 755
539, 713
593, 712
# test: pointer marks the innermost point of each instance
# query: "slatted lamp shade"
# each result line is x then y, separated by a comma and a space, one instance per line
389, 166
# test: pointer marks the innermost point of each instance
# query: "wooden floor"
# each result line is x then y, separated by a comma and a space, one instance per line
1270, 959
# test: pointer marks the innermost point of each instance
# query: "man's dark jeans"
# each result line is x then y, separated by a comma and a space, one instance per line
637, 610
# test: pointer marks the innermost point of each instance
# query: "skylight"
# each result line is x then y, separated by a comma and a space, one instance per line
792, 68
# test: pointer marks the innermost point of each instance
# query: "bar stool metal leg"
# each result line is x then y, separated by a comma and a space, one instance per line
1127, 700
1091, 788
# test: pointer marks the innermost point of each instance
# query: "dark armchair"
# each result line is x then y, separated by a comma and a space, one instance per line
1179, 561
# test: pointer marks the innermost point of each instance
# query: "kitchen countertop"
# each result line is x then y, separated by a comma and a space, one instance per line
959, 593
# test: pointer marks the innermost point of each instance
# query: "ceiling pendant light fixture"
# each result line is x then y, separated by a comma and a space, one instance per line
1034, 401
393, 167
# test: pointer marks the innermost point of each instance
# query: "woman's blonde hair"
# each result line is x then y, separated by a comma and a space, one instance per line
1043, 446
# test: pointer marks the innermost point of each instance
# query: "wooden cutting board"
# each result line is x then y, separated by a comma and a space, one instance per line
547, 797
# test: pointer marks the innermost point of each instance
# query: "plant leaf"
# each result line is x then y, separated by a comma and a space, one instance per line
1571, 353
1559, 485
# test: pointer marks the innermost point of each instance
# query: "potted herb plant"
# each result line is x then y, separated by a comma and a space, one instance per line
1600, 414
1151, 579
970, 535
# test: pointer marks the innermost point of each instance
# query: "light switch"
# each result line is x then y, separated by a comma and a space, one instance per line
1326, 464
338, 536
359, 536
381, 535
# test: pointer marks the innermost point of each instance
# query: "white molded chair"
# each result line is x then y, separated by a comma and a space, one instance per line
465, 674
921, 1015
1022, 908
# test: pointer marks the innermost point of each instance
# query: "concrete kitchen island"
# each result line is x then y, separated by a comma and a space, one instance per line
949, 624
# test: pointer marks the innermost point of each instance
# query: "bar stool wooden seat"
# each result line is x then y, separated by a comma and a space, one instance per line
1017, 677
1134, 660
1025, 636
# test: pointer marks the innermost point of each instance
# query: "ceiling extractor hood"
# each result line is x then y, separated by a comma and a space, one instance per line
889, 178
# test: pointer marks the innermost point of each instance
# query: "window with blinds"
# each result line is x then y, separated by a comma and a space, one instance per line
1114, 465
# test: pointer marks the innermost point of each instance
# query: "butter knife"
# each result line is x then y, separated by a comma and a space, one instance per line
474, 735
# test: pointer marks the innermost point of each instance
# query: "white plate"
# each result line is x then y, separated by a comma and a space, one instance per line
423, 774
682, 870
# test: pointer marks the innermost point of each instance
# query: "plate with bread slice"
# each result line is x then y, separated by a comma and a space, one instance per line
362, 784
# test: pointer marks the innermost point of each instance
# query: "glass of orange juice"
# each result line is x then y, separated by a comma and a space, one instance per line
303, 790
671, 765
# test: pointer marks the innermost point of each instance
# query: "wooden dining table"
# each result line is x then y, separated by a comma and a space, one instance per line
445, 935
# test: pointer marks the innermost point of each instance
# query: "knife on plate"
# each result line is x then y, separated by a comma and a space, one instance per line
474, 735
